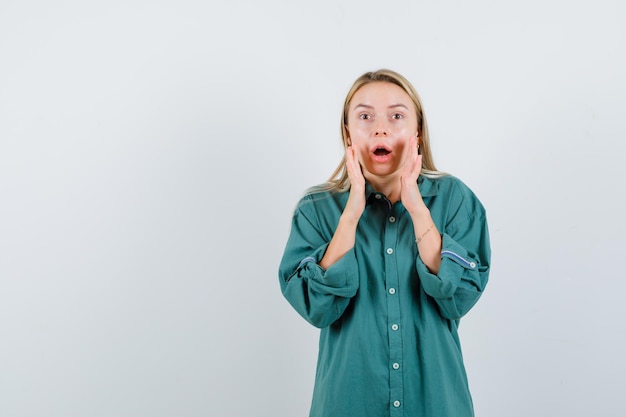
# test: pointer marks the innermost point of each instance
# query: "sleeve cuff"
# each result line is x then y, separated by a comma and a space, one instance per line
455, 262
341, 274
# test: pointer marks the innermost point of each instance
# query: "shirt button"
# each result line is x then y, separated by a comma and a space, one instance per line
396, 365
392, 219
396, 403
472, 265
392, 291
394, 327
378, 197
389, 251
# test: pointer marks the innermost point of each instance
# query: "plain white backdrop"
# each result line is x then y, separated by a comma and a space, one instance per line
151, 154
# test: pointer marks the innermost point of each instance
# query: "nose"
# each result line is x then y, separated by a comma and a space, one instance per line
381, 128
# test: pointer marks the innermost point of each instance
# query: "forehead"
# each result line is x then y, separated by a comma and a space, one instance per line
381, 94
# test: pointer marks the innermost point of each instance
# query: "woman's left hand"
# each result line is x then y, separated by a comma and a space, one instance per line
409, 192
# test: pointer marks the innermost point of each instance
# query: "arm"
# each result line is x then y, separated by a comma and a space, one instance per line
427, 236
453, 267
320, 277
345, 234
464, 259
318, 294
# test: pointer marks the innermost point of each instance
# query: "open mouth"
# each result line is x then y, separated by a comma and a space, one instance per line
381, 152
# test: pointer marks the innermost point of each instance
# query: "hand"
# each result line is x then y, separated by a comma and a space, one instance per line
356, 200
345, 235
409, 192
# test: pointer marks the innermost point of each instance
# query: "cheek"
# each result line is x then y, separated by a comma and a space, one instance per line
357, 135
406, 131
402, 147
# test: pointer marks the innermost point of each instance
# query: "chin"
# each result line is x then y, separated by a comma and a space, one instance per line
382, 172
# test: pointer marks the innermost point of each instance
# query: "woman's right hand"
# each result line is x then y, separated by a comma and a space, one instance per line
356, 200
345, 234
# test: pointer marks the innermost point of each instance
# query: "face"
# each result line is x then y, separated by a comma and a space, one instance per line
381, 120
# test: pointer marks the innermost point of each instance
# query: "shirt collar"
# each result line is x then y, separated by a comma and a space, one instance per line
427, 186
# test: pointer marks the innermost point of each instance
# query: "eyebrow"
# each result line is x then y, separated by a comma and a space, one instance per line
393, 106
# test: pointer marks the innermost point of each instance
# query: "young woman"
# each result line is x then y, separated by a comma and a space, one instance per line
385, 259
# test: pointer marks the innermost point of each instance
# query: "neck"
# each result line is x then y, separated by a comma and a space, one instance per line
390, 186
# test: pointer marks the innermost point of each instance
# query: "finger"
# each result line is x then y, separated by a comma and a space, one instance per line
414, 148
416, 158
409, 166
349, 158
351, 163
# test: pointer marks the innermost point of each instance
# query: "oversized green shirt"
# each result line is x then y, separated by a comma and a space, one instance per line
388, 344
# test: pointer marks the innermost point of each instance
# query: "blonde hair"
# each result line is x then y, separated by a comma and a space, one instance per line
339, 180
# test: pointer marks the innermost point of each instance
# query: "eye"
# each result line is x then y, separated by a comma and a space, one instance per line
397, 116
364, 116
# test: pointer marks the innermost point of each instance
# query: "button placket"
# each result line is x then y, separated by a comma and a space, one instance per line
394, 318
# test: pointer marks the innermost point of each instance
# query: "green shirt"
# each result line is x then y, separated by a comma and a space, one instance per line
389, 344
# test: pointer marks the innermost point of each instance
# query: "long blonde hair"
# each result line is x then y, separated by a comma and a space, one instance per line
339, 180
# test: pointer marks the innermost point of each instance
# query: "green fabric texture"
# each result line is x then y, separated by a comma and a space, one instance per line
389, 343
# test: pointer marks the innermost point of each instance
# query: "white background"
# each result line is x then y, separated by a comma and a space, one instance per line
151, 154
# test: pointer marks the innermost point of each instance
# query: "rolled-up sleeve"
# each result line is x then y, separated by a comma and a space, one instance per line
465, 258
317, 294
